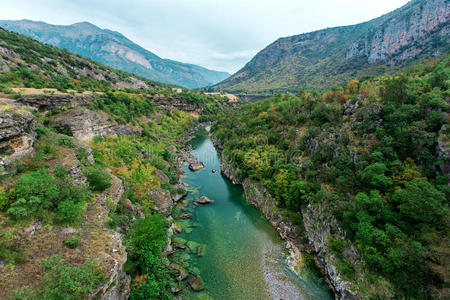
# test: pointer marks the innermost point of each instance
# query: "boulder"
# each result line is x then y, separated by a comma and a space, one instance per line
196, 283
183, 215
195, 166
161, 176
172, 149
203, 200
176, 227
182, 273
163, 202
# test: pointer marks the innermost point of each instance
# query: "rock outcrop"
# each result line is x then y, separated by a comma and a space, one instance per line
318, 231
48, 102
85, 124
163, 201
16, 132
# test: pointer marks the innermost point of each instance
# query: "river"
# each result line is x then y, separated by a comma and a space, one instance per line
242, 255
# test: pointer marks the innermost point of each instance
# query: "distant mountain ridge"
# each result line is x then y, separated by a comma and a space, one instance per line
331, 57
113, 49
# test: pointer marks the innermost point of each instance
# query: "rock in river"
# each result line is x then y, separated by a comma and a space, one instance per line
182, 273
196, 283
203, 200
195, 166
184, 215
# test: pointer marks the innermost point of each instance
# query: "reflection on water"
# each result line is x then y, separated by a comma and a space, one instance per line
236, 252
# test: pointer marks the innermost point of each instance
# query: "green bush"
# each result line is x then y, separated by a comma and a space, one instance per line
25, 293
72, 242
26, 208
69, 212
145, 243
38, 192
98, 180
69, 282
65, 141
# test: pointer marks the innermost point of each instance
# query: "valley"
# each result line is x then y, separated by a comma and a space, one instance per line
320, 170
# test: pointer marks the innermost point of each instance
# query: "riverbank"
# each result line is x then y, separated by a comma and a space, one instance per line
315, 234
241, 255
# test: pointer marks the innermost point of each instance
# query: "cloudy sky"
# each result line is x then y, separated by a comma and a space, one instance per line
218, 34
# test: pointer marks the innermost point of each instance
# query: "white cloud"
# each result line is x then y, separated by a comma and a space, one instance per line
218, 34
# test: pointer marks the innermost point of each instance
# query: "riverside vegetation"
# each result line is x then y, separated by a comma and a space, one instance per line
63, 202
83, 146
373, 153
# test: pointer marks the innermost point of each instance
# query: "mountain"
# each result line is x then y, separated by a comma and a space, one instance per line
359, 174
331, 57
113, 49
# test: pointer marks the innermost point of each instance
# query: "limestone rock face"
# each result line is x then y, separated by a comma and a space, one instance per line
406, 34
163, 201
121, 290
85, 124
48, 102
161, 176
16, 134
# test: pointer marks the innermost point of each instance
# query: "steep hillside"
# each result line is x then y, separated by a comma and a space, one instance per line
89, 156
113, 49
358, 175
331, 57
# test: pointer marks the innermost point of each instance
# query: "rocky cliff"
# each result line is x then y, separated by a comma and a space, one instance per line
331, 57
319, 228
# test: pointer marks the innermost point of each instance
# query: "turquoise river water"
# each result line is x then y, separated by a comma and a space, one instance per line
242, 255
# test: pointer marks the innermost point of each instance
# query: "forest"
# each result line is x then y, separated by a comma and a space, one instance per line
371, 151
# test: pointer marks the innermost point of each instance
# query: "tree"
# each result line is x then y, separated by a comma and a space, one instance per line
373, 176
420, 202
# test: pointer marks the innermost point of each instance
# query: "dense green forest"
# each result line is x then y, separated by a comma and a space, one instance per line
371, 151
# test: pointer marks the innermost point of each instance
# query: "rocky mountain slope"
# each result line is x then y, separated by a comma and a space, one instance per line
87, 155
113, 49
331, 57
358, 175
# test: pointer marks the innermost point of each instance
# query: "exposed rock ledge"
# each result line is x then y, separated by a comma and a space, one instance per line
318, 225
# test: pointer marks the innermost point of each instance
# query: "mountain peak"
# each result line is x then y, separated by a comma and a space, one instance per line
115, 50
331, 57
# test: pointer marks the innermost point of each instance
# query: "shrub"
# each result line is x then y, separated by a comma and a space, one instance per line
337, 245
69, 211
24, 293
24, 209
145, 243
6, 198
68, 282
98, 180
72, 242
65, 141
39, 184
